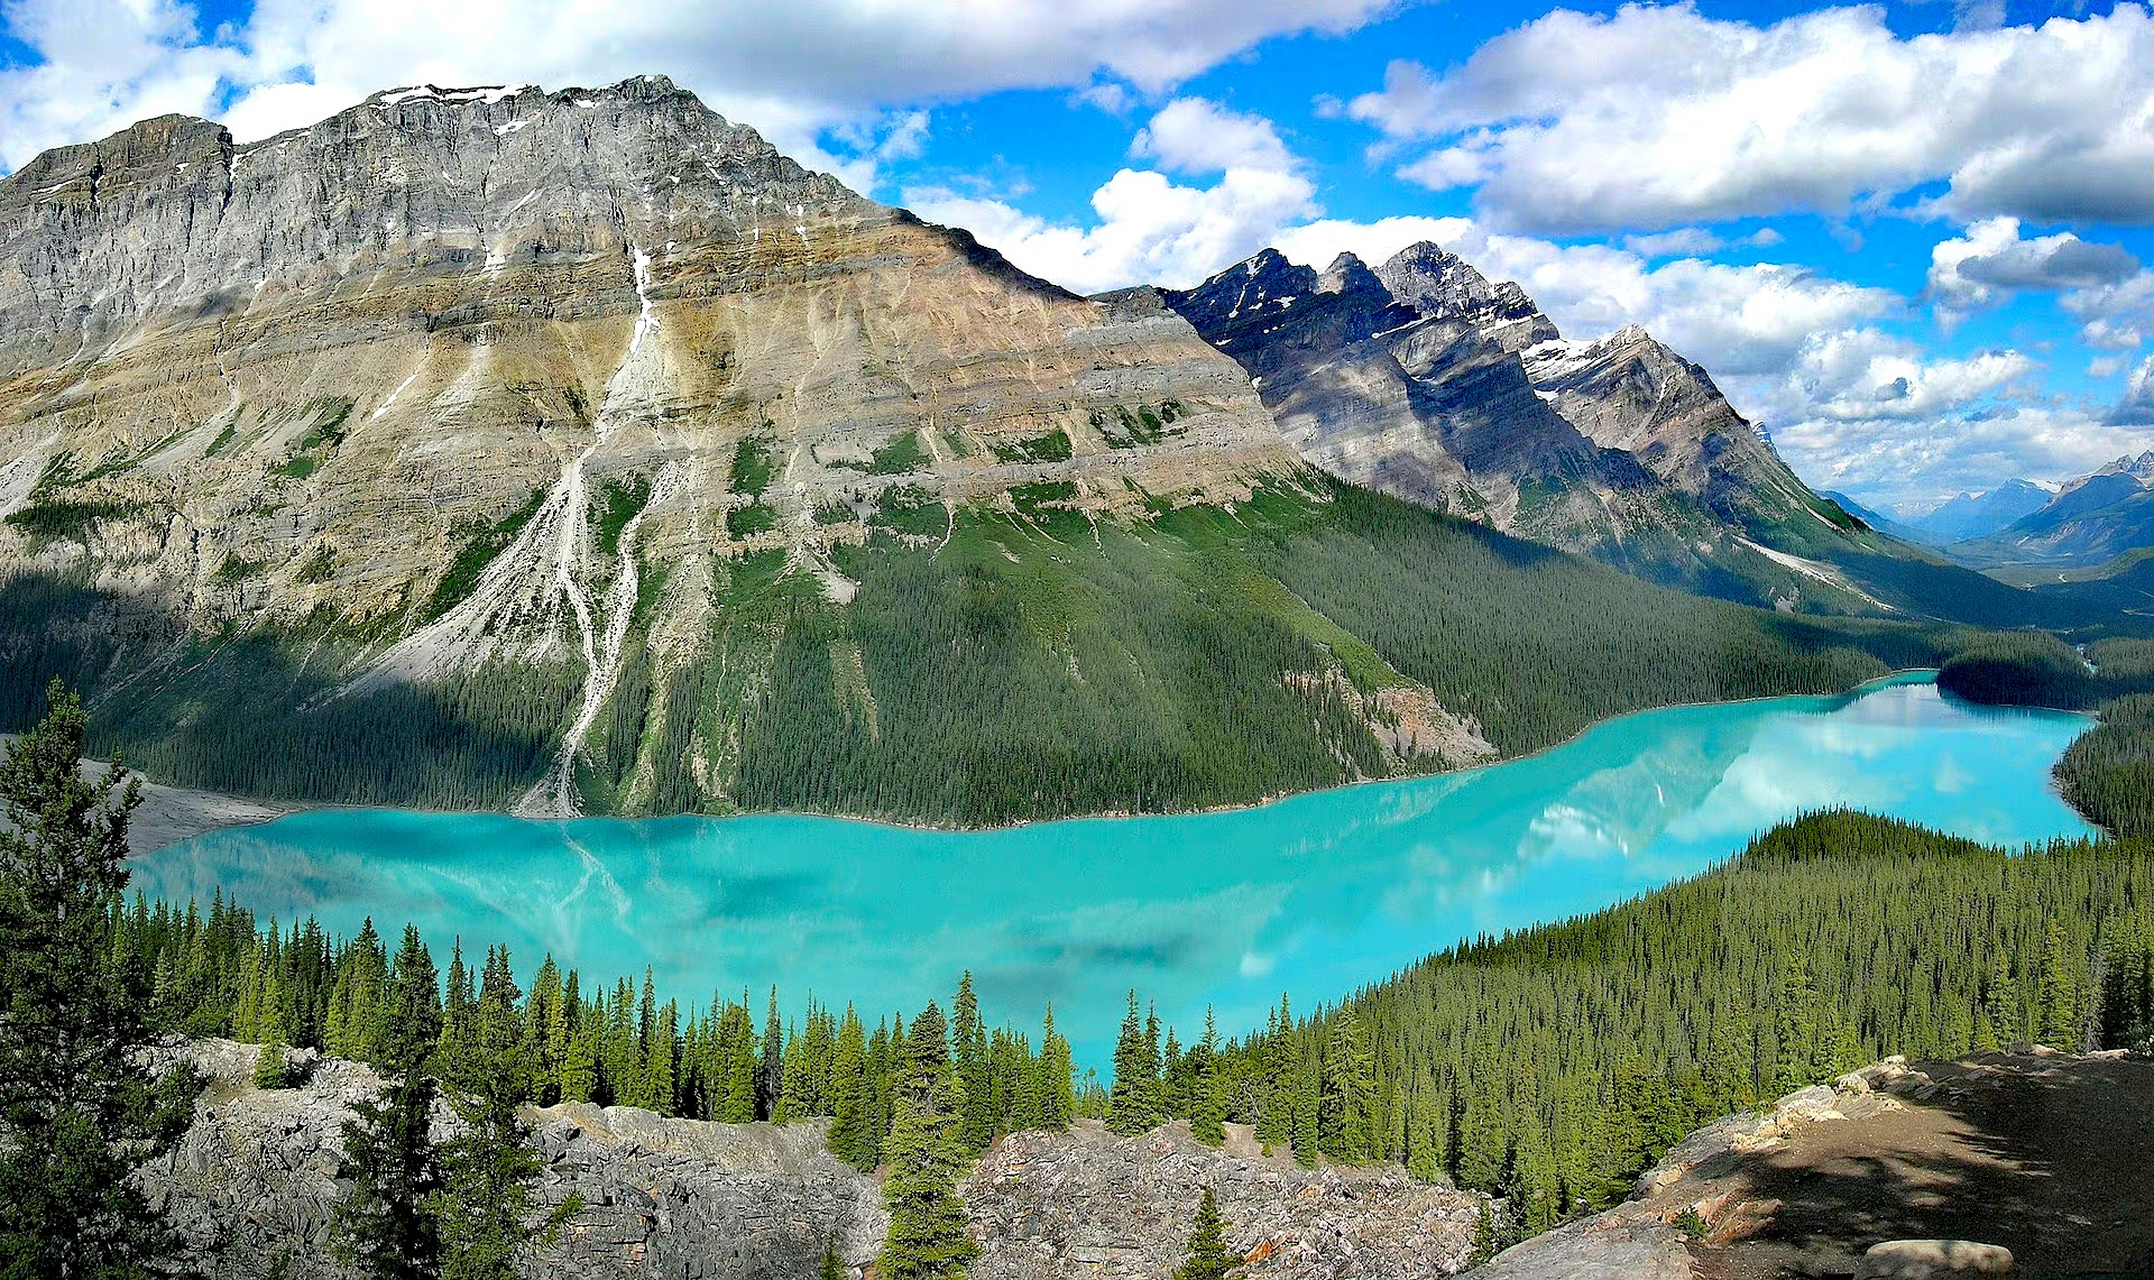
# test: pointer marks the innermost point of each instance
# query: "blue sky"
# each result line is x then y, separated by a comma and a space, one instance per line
1913, 241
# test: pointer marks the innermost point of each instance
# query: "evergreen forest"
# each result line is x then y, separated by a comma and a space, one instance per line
993, 666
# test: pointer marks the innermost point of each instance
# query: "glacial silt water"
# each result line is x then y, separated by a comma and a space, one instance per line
1313, 895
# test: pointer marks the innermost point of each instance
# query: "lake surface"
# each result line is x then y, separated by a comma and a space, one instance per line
1314, 895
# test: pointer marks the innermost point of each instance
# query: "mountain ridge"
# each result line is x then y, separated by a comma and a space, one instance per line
579, 452
1424, 379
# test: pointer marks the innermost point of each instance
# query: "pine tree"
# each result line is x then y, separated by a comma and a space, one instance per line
271, 1071
1058, 1102
770, 1065
2058, 1024
79, 1109
387, 1226
579, 1064
1207, 1112
1129, 1100
1797, 1025
927, 1238
850, 1136
1208, 1258
1308, 1140
486, 1208
2000, 1004
1347, 1079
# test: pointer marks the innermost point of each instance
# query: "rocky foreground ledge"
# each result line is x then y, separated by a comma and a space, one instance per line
253, 1186
2031, 1163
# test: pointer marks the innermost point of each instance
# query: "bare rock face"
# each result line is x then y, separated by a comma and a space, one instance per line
1428, 381
1085, 1203
463, 375
257, 382
253, 1188
2028, 1159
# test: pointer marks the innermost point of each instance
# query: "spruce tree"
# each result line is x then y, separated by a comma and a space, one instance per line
1129, 1100
79, 1105
387, 1226
271, 1071
1058, 1101
927, 1238
2058, 1024
2000, 1004
850, 1136
1207, 1111
1209, 1258
487, 1208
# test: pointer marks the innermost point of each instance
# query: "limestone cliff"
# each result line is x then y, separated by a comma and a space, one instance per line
466, 374
1425, 379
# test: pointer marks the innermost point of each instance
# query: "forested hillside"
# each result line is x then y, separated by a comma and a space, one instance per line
989, 665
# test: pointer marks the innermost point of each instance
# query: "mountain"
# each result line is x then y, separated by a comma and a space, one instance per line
2093, 519
1875, 519
579, 452
1422, 379
1978, 515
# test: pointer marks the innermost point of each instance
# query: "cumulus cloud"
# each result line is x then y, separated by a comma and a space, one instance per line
1654, 117
792, 70
1869, 412
1990, 261
1192, 135
2114, 316
1151, 229
2136, 409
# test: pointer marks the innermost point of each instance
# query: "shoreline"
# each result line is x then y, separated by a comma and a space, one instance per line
250, 811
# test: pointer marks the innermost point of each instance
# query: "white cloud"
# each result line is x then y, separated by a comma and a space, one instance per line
2116, 316
1150, 230
1989, 262
1654, 117
1869, 413
2136, 409
1680, 241
1193, 136
791, 70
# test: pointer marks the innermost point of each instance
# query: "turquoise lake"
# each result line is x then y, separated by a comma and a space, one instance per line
1314, 895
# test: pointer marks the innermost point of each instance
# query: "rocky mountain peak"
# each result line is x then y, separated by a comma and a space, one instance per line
311, 376
2140, 468
1348, 274
1427, 274
1440, 285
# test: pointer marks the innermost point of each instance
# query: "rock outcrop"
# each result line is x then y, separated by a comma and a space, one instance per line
1426, 380
253, 1186
1088, 1204
2028, 1159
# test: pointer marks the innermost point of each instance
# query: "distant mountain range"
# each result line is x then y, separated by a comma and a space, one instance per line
2084, 523
1978, 515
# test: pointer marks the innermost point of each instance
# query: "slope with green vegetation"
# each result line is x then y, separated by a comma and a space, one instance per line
991, 665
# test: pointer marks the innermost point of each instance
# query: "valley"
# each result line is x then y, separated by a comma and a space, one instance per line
619, 626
